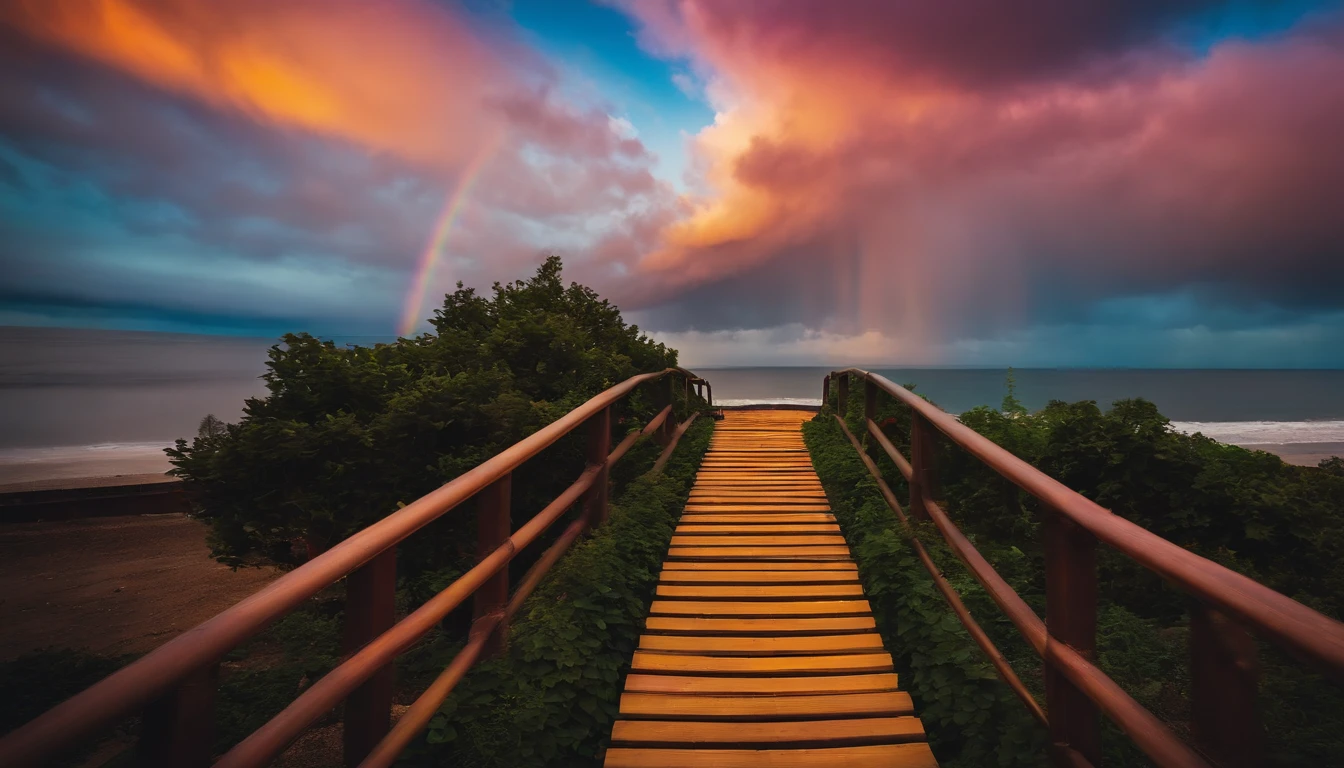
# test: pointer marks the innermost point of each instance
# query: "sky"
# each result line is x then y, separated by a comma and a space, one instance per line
1139, 183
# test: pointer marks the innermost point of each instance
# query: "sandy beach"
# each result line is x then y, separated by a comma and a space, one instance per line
1301, 454
111, 585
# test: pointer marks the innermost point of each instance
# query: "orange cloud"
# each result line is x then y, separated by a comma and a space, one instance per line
398, 76
942, 182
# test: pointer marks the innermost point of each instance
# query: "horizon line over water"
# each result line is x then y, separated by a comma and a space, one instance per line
75, 403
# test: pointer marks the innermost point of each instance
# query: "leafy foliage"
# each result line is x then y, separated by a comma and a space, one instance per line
551, 699
346, 434
1247, 510
971, 717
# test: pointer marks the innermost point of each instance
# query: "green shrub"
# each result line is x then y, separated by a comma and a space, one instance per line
972, 718
345, 434
552, 698
1279, 524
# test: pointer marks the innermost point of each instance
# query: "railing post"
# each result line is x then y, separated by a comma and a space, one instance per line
493, 527
1224, 675
662, 398
923, 478
179, 727
599, 445
1070, 618
869, 402
370, 610
826, 390
842, 396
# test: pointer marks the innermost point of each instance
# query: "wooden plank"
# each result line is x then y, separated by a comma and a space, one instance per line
757, 518
697, 625
746, 540
759, 591
772, 686
760, 565
734, 530
763, 608
881, 756
759, 577
758, 666
797, 553
741, 508
762, 646
672, 706
796, 735
754, 577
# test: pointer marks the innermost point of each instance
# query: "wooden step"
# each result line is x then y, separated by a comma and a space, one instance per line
759, 591
764, 686
839, 664
915, 755
671, 706
763, 646
730, 626
761, 608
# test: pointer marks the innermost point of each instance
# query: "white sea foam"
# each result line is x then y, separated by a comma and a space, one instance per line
71, 461
1254, 432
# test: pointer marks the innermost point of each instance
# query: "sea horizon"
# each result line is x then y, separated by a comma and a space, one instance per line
80, 402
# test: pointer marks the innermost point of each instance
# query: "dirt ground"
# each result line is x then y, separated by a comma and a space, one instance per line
111, 585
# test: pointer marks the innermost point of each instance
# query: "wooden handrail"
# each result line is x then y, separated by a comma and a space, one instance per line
1074, 684
173, 670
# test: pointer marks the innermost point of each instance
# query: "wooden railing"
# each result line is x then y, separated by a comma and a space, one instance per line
1225, 727
174, 686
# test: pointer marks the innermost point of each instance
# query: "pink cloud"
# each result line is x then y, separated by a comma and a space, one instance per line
946, 183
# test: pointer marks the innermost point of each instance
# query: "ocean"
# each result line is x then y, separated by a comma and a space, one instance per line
80, 403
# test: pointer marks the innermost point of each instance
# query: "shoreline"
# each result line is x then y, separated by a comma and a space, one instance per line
1299, 454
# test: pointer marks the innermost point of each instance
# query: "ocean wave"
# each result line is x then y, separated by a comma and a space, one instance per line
1253, 432
74, 453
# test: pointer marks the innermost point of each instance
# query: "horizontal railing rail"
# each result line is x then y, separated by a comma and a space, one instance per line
1225, 726
174, 686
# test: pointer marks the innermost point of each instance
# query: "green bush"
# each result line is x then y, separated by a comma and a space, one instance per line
972, 718
346, 434
1247, 510
552, 698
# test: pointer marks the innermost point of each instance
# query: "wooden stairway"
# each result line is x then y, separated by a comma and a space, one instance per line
760, 649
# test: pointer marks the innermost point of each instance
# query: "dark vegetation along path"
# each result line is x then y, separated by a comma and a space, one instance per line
760, 648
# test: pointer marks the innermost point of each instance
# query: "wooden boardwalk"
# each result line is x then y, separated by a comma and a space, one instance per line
760, 649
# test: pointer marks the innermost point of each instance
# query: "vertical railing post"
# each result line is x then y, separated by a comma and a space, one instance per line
842, 396
870, 391
179, 727
826, 390
1224, 674
662, 397
1070, 618
923, 477
494, 525
599, 445
370, 610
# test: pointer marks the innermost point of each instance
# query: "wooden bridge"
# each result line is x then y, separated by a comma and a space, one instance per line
759, 648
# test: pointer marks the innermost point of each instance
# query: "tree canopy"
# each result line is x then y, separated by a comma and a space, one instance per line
347, 433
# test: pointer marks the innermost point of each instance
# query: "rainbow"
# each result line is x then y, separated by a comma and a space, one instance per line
438, 239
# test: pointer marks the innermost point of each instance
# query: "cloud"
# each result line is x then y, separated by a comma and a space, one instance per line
936, 172
301, 141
